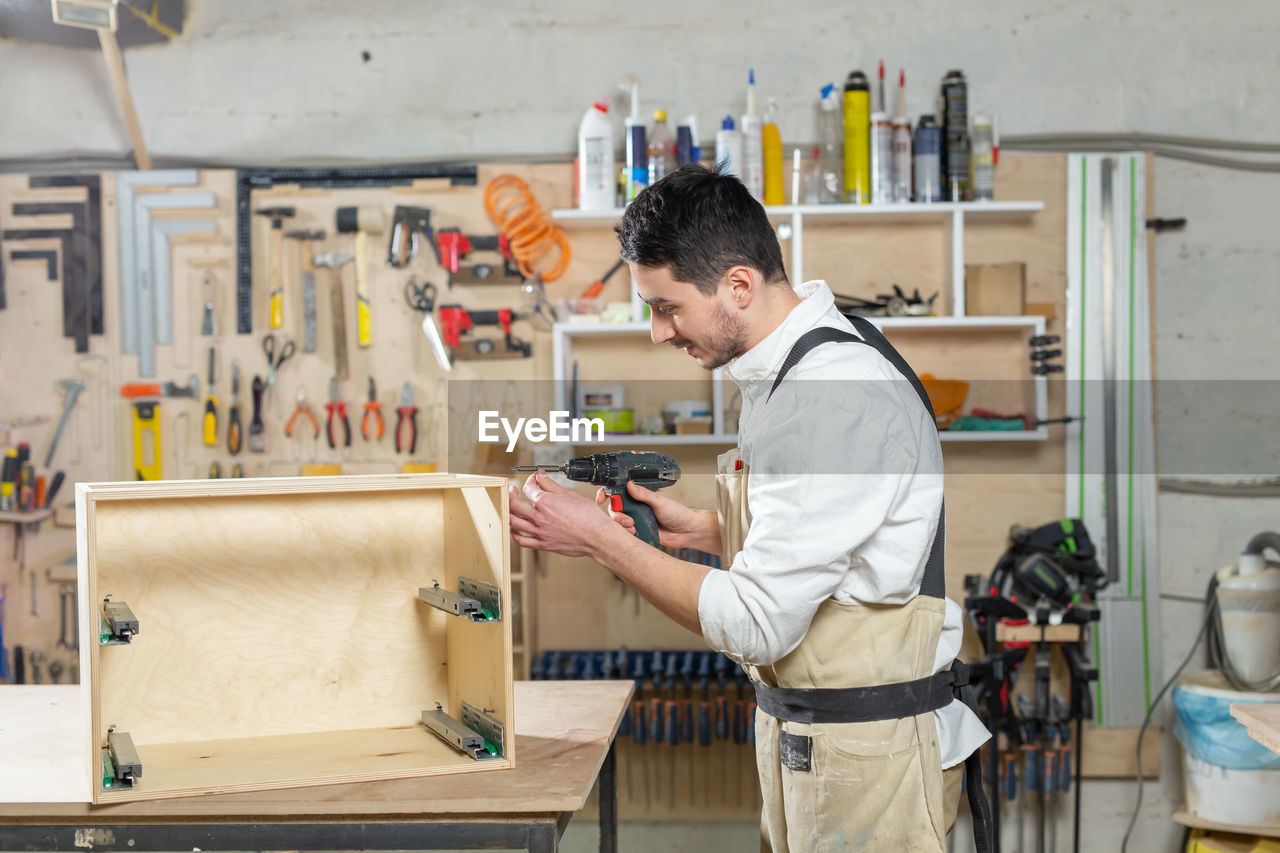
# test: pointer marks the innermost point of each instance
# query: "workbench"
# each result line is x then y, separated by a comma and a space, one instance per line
564, 733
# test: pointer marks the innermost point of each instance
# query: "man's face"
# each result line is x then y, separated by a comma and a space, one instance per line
708, 328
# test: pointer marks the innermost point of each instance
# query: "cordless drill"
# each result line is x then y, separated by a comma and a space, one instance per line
613, 471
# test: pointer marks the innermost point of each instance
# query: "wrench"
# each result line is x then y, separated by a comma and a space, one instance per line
36, 658
73, 387
55, 672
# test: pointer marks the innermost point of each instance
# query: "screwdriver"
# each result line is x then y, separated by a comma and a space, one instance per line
751, 740
704, 720
722, 720
655, 717
638, 735
686, 712
739, 738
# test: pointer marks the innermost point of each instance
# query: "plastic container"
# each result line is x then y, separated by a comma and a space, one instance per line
901, 160
775, 191
927, 160
596, 167
1229, 777
831, 146
753, 143
635, 175
729, 147
661, 148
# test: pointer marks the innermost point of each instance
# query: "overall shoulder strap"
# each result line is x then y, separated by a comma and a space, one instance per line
810, 339
934, 582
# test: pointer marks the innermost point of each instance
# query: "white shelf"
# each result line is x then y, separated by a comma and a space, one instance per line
835, 214
639, 440
966, 436
1028, 321
994, 435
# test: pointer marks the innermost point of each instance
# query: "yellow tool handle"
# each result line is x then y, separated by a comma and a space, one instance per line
277, 279
364, 321
211, 421
146, 420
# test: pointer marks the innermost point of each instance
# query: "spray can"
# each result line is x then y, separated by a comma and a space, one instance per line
928, 153
771, 138
753, 143
857, 139
636, 171
881, 158
595, 159
830, 147
729, 148
983, 159
955, 125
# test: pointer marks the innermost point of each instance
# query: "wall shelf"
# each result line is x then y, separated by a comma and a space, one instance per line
951, 216
562, 362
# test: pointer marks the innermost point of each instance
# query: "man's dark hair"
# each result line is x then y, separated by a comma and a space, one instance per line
697, 223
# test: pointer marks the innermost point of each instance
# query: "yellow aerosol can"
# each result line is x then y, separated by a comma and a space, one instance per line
857, 139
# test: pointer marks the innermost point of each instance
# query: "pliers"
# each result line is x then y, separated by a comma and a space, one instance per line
408, 415
372, 414
304, 410
336, 406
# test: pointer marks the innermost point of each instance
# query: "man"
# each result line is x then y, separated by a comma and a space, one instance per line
828, 519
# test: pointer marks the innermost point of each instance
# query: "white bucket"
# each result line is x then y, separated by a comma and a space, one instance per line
1233, 797
1244, 798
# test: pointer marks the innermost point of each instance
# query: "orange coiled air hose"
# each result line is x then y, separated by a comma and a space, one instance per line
529, 231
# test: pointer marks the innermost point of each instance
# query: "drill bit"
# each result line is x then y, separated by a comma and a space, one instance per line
560, 468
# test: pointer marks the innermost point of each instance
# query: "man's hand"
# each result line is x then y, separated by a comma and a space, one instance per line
550, 517
679, 526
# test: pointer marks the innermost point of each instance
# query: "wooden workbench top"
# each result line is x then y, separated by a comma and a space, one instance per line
563, 731
1262, 722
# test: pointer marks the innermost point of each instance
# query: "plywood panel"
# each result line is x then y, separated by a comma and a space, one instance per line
270, 615
479, 659
273, 610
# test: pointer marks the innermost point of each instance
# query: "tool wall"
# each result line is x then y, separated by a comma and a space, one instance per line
70, 334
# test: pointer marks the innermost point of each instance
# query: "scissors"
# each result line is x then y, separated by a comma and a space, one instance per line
422, 297
273, 360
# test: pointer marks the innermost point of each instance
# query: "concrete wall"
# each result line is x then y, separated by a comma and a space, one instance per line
331, 79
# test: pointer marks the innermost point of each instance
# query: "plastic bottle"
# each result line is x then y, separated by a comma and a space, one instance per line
857, 139
982, 157
831, 147
729, 147
596, 168
771, 143
636, 174
661, 148
811, 178
753, 143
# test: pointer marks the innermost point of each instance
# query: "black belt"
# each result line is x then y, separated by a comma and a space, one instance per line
887, 702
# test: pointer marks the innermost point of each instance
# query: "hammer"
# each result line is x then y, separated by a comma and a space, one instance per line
362, 221
72, 388
334, 260
308, 286
277, 216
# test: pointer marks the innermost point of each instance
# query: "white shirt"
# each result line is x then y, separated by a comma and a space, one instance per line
844, 486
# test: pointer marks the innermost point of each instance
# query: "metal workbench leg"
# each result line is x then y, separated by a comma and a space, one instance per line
544, 839
608, 798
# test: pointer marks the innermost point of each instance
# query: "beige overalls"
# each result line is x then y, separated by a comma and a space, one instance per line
831, 786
